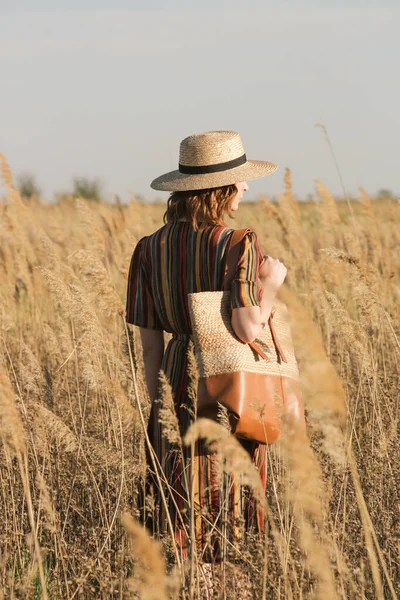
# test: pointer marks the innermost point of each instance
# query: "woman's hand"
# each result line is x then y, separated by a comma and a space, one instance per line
272, 273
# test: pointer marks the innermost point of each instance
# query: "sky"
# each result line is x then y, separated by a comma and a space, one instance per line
99, 92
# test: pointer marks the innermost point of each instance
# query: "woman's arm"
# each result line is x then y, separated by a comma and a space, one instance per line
153, 350
248, 321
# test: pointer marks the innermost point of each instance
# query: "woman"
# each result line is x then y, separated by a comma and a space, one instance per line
187, 255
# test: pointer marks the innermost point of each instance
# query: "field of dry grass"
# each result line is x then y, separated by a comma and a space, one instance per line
72, 443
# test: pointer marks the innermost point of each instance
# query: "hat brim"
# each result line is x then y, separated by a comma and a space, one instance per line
175, 181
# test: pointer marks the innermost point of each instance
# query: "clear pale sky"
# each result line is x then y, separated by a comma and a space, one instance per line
108, 90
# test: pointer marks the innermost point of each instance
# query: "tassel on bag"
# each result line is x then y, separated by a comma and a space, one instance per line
257, 381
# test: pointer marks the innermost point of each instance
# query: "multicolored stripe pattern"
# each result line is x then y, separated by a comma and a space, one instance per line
165, 267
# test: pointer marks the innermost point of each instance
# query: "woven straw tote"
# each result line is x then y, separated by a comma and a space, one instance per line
258, 381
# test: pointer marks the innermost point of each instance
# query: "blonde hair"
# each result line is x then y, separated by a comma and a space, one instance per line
201, 207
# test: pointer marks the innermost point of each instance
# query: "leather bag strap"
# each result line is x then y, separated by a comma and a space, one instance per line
278, 347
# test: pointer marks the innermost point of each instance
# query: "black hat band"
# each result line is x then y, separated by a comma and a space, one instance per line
225, 166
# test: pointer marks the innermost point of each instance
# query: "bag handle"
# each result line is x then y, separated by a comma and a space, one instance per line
231, 260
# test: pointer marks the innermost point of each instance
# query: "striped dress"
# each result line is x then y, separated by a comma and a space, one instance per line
165, 267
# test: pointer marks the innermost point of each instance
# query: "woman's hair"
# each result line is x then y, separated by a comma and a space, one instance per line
201, 207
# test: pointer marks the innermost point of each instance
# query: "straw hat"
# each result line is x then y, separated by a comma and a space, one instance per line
212, 159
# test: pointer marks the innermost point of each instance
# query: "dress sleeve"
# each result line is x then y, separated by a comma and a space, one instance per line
140, 309
245, 287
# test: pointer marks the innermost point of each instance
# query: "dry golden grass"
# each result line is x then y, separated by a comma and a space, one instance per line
73, 406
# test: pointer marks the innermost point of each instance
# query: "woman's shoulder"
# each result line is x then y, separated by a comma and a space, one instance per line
230, 230
248, 233
249, 245
140, 244
157, 233
144, 241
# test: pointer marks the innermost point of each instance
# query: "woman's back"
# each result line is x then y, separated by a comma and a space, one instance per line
177, 260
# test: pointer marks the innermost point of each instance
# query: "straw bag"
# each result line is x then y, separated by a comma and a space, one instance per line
256, 381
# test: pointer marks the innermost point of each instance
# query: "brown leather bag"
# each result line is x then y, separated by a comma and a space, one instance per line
256, 382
